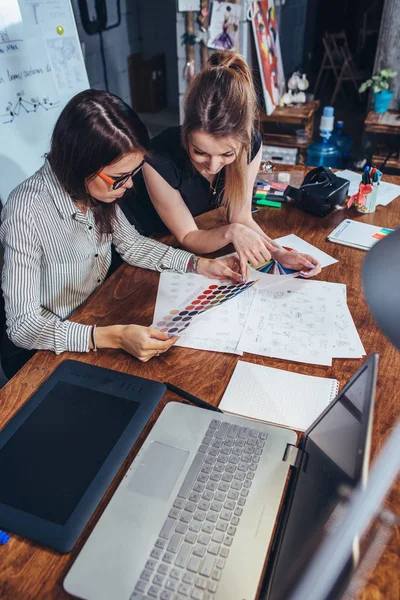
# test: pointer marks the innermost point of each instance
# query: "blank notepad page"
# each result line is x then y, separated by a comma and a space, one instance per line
277, 396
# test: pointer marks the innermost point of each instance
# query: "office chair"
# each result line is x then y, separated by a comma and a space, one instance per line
381, 282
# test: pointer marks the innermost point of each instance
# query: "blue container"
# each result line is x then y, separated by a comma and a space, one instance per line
324, 154
382, 100
343, 141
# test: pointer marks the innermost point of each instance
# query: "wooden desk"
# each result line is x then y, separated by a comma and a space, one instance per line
29, 571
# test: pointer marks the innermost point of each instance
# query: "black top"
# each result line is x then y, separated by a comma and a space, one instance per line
172, 162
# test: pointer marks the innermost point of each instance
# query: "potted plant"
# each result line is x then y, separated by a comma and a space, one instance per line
380, 87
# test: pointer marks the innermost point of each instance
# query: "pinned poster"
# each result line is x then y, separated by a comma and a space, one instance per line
265, 29
187, 5
224, 26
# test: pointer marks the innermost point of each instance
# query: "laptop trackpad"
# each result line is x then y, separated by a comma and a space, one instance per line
158, 471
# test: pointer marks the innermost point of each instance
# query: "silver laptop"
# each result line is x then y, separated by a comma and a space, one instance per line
195, 516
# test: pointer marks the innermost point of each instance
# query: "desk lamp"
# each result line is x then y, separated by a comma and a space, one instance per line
381, 281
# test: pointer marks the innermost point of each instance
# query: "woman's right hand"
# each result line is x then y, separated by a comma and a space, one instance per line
145, 342
141, 342
250, 246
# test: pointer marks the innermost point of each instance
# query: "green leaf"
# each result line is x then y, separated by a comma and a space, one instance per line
387, 73
364, 86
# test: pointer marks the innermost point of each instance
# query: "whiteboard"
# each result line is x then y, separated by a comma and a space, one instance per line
41, 68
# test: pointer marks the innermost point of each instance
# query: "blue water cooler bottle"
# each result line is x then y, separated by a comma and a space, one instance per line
325, 153
342, 140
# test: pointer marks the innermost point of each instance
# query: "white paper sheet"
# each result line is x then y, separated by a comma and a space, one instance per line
220, 329
346, 342
291, 321
296, 243
187, 5
266, 280
386, 191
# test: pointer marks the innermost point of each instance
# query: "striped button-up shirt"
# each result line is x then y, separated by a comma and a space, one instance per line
54, 259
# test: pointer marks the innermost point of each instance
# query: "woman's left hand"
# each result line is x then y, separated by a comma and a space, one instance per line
306, 264
224, 268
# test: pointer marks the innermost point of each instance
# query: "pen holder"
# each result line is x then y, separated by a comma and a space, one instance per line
370, 201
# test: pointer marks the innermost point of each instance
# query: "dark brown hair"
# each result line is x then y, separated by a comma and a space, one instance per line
221, 101
94, 130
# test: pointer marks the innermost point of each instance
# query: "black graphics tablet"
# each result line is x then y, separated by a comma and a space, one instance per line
61, 451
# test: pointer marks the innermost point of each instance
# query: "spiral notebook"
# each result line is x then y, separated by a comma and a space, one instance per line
277, 396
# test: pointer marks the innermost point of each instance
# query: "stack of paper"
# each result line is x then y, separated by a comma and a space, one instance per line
291, 319
302, 321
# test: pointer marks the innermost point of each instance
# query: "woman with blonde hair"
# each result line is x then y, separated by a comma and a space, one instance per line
211, 161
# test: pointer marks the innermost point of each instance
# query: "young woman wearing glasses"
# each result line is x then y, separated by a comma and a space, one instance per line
58, 227
211, 161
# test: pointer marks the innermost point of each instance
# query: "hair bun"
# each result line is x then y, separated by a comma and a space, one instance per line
222, 59
231, 61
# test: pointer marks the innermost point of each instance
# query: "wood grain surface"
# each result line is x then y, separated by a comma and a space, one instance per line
30, 571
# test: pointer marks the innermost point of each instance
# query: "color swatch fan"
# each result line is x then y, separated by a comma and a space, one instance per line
176, 320
273, 267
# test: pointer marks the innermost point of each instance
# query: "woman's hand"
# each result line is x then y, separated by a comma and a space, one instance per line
223, 268
250, 246
306, 264
143, 342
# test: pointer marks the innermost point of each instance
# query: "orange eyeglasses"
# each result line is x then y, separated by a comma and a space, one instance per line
117, 182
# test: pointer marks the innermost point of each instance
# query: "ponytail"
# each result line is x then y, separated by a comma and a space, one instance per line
221, 101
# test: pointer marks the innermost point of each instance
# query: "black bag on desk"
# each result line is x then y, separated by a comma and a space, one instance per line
320, 192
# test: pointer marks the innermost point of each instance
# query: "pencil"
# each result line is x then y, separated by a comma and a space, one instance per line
191, 398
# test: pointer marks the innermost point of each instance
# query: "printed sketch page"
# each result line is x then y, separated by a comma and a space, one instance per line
292, 321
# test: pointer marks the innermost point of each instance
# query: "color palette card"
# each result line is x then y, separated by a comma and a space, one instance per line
357, 234
217, 330
209, 294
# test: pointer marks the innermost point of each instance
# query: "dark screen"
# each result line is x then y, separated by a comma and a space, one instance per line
48, 464
334, 456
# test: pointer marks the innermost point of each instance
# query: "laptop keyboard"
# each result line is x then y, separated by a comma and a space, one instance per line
192, 547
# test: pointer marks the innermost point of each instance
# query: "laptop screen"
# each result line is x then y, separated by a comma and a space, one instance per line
335, 455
